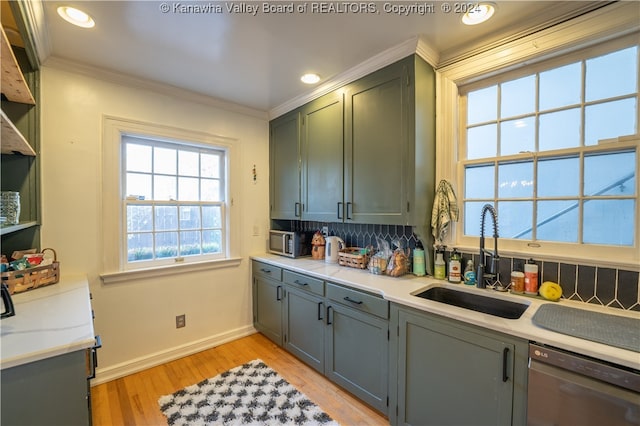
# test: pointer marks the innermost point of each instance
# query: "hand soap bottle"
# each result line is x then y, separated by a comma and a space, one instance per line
440, 268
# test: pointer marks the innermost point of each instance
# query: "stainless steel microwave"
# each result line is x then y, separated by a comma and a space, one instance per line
289, 243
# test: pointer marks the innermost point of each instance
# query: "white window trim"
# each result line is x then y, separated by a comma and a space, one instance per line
615, 21
113, 268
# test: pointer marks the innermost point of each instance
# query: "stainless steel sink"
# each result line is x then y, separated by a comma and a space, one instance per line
475, 302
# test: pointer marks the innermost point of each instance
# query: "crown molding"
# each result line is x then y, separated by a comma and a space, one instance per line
601, 25
153, 86
31, 19
387, 57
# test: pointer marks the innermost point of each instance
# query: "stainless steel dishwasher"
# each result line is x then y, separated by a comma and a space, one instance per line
569, 389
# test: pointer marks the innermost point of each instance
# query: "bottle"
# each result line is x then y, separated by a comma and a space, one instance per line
470, 273
418, 260
439, 267
530, 277
455, 267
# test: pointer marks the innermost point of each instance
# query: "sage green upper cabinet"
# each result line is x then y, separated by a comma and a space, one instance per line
284, 176
364, 153
322, 158
389, 144
376, 147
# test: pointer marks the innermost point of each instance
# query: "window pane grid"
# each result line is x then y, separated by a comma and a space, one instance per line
552, 176
173, 200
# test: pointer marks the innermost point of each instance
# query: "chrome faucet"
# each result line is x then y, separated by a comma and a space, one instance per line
488, 265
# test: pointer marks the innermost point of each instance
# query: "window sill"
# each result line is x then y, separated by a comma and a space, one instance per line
162, 271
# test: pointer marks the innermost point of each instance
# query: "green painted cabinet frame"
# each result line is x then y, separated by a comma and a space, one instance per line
357, 354
448, 372
349, 345
284, 165
52, 391
365, 153
268, 294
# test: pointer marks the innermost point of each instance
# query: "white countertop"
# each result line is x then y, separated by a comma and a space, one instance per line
49, 321
400, 290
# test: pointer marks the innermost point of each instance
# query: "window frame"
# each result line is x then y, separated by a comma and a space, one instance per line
627, 142
115, 267
179, 146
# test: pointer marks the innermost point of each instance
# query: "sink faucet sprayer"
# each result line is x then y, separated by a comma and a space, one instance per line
488, 268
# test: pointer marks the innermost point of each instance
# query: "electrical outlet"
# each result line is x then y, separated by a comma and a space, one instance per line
181, 321
325, 231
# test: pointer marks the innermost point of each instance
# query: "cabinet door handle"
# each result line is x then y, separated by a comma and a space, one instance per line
355, 302
94, 357
297, 210
329, 309
301, 283
339, 209
349, 208
320, 318
505, 358
279, 293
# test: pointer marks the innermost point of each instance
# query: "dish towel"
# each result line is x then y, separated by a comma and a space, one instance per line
445, 210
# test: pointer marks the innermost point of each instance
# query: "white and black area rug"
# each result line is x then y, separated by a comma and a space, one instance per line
251, 394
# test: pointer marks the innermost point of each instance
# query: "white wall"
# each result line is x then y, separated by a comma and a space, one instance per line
136, 320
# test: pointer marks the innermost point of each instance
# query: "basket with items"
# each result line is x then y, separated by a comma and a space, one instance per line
355, 257
30, 269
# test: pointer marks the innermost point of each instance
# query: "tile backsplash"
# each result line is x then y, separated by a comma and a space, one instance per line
600, 285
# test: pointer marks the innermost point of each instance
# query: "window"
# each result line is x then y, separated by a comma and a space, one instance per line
556, 151
167, 196
174, 200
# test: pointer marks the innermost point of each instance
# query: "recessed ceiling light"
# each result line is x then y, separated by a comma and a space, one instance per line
310, 78
479, 13
76, 17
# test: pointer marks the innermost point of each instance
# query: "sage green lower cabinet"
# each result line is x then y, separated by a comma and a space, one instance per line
52, 391
268, 293
304, 327
357, 354
449, 372
341, 332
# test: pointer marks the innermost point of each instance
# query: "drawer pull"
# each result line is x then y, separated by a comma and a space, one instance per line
266, 271
300, 283
355, 302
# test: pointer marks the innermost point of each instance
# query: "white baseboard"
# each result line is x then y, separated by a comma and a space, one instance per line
142, 363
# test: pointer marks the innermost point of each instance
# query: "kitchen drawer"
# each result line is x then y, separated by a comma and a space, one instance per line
358, 300
267, 271
312, 285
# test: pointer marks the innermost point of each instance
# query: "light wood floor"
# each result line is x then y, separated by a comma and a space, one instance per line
133, 400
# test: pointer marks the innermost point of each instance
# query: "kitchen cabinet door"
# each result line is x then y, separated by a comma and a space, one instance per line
322, 158
284, 162
376, 141
267, 307
304, 327
357, 354
450, 373
51, 391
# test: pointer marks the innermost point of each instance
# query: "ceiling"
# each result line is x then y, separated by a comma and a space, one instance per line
256, 61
